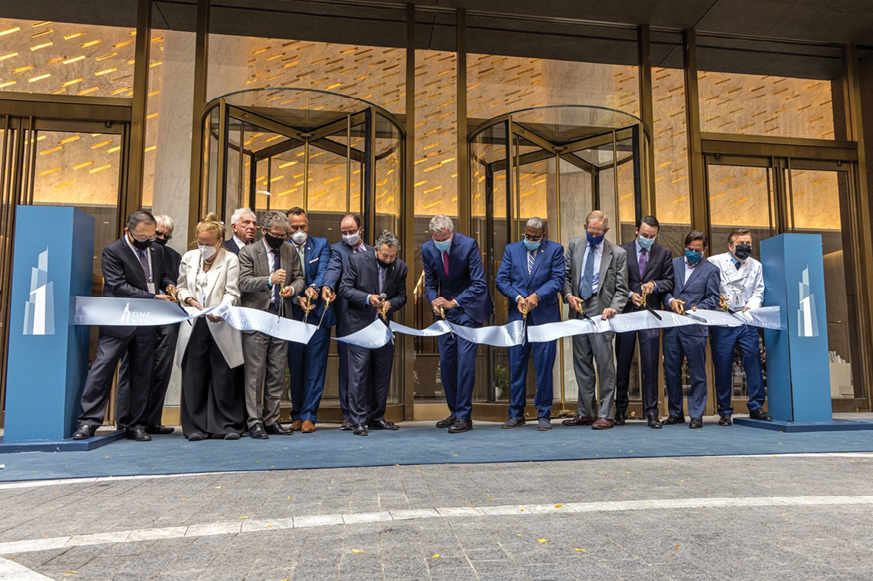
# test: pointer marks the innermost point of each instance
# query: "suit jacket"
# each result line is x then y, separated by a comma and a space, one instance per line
340, 253
254, 276
612, 290
700, 291
659, 270
221, 287
123, 277
360, 279
546, 280
465, 281
317, 256
230, 244
172, 260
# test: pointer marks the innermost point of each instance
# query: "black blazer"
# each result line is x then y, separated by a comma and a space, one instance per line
361, 278
230, 244
123, 277
659, 270
172, 260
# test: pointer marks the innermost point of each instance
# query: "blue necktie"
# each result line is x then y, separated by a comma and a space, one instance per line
530, 262
585, 289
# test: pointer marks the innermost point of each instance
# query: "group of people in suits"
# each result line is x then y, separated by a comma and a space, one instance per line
232, 381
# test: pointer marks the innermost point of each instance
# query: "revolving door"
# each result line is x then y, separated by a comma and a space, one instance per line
557, 163
274, 149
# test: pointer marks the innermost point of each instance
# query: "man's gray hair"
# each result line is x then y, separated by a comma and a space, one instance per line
536, 223
388, 238
273, 218
238, 213
440, 222
139, 217
164, 220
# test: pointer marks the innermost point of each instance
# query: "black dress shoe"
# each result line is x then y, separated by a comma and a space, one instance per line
360, 430
195, 437
696, 423
461, 426
382, 425
276, 429
159, 430
620, 418
672, 420
84, 432
447, 423
258, 432
725, 420
139, 435
654, 422
760, 414
347, 425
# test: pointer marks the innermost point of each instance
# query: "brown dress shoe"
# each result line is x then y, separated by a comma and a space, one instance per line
602, 424
308, 427
296, 425
579, 421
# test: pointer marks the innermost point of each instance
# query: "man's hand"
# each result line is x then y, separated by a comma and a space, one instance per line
694, 308
171, 289
311, 293
213, 318
301, 302
746, 309
648, 287
532, 302
521, 303
326, 294
449, 305
637, 299
376, 302
676, 306
608, 313
386, 306
436, 304
286, 292
165, 298
575, 303
278, 277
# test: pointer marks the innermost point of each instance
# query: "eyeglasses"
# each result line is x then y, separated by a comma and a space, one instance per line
144, 238
530, 238
163, 235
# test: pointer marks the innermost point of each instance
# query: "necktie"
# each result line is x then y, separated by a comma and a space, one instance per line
530, 262
301, 252
644, 260
144, 262
381, 279
446, 263
359, 248
274, 300
585, 289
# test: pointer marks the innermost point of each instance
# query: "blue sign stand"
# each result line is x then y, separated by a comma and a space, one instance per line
798, 378
48, 354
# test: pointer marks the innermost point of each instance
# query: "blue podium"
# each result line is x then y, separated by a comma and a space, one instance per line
48, 354
798, 378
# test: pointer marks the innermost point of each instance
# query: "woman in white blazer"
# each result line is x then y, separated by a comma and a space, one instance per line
212, 406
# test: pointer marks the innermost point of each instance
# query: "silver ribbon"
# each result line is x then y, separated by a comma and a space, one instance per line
375, 335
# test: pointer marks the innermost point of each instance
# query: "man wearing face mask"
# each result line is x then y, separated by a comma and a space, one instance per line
741, 284
454, 283
340, 252
307, 364
269, 280
649, 275
695, 286
132, 267
165, 349
531, 276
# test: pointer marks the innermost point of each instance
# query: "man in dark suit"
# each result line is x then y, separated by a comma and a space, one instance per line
307, 364
165, 350
367, 278
454, 283
133, 267
649, 275
269, 280
695, 286
595, 287
243, 224
340, 252
531, 276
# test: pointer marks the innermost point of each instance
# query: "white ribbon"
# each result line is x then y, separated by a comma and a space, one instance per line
375, 335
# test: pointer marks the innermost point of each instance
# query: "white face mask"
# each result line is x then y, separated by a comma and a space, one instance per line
299, 237
206, 251
352, 239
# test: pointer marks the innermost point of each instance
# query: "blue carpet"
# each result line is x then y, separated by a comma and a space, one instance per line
331, 448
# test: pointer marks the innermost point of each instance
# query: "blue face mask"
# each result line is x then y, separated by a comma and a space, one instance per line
645, 242
595, 240
531, 246
692, 256
444, 245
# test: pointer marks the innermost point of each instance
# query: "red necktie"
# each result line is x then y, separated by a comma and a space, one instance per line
446, 263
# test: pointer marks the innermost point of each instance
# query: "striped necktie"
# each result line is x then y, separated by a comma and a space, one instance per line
530, 262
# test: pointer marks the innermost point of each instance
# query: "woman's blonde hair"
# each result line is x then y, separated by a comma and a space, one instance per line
210, 224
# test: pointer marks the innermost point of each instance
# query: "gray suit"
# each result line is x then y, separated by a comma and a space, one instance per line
612, 292
265, 355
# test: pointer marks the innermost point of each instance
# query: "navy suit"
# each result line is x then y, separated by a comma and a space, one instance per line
546, 279
307, 364
340, 253
700, 291
230, 244
465, 284
659, 270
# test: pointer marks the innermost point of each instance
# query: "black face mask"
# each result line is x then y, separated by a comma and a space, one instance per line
384, 264
141, 244
273, 242
161, 241
742, 251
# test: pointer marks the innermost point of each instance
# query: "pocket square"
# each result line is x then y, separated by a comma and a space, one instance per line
313, 260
